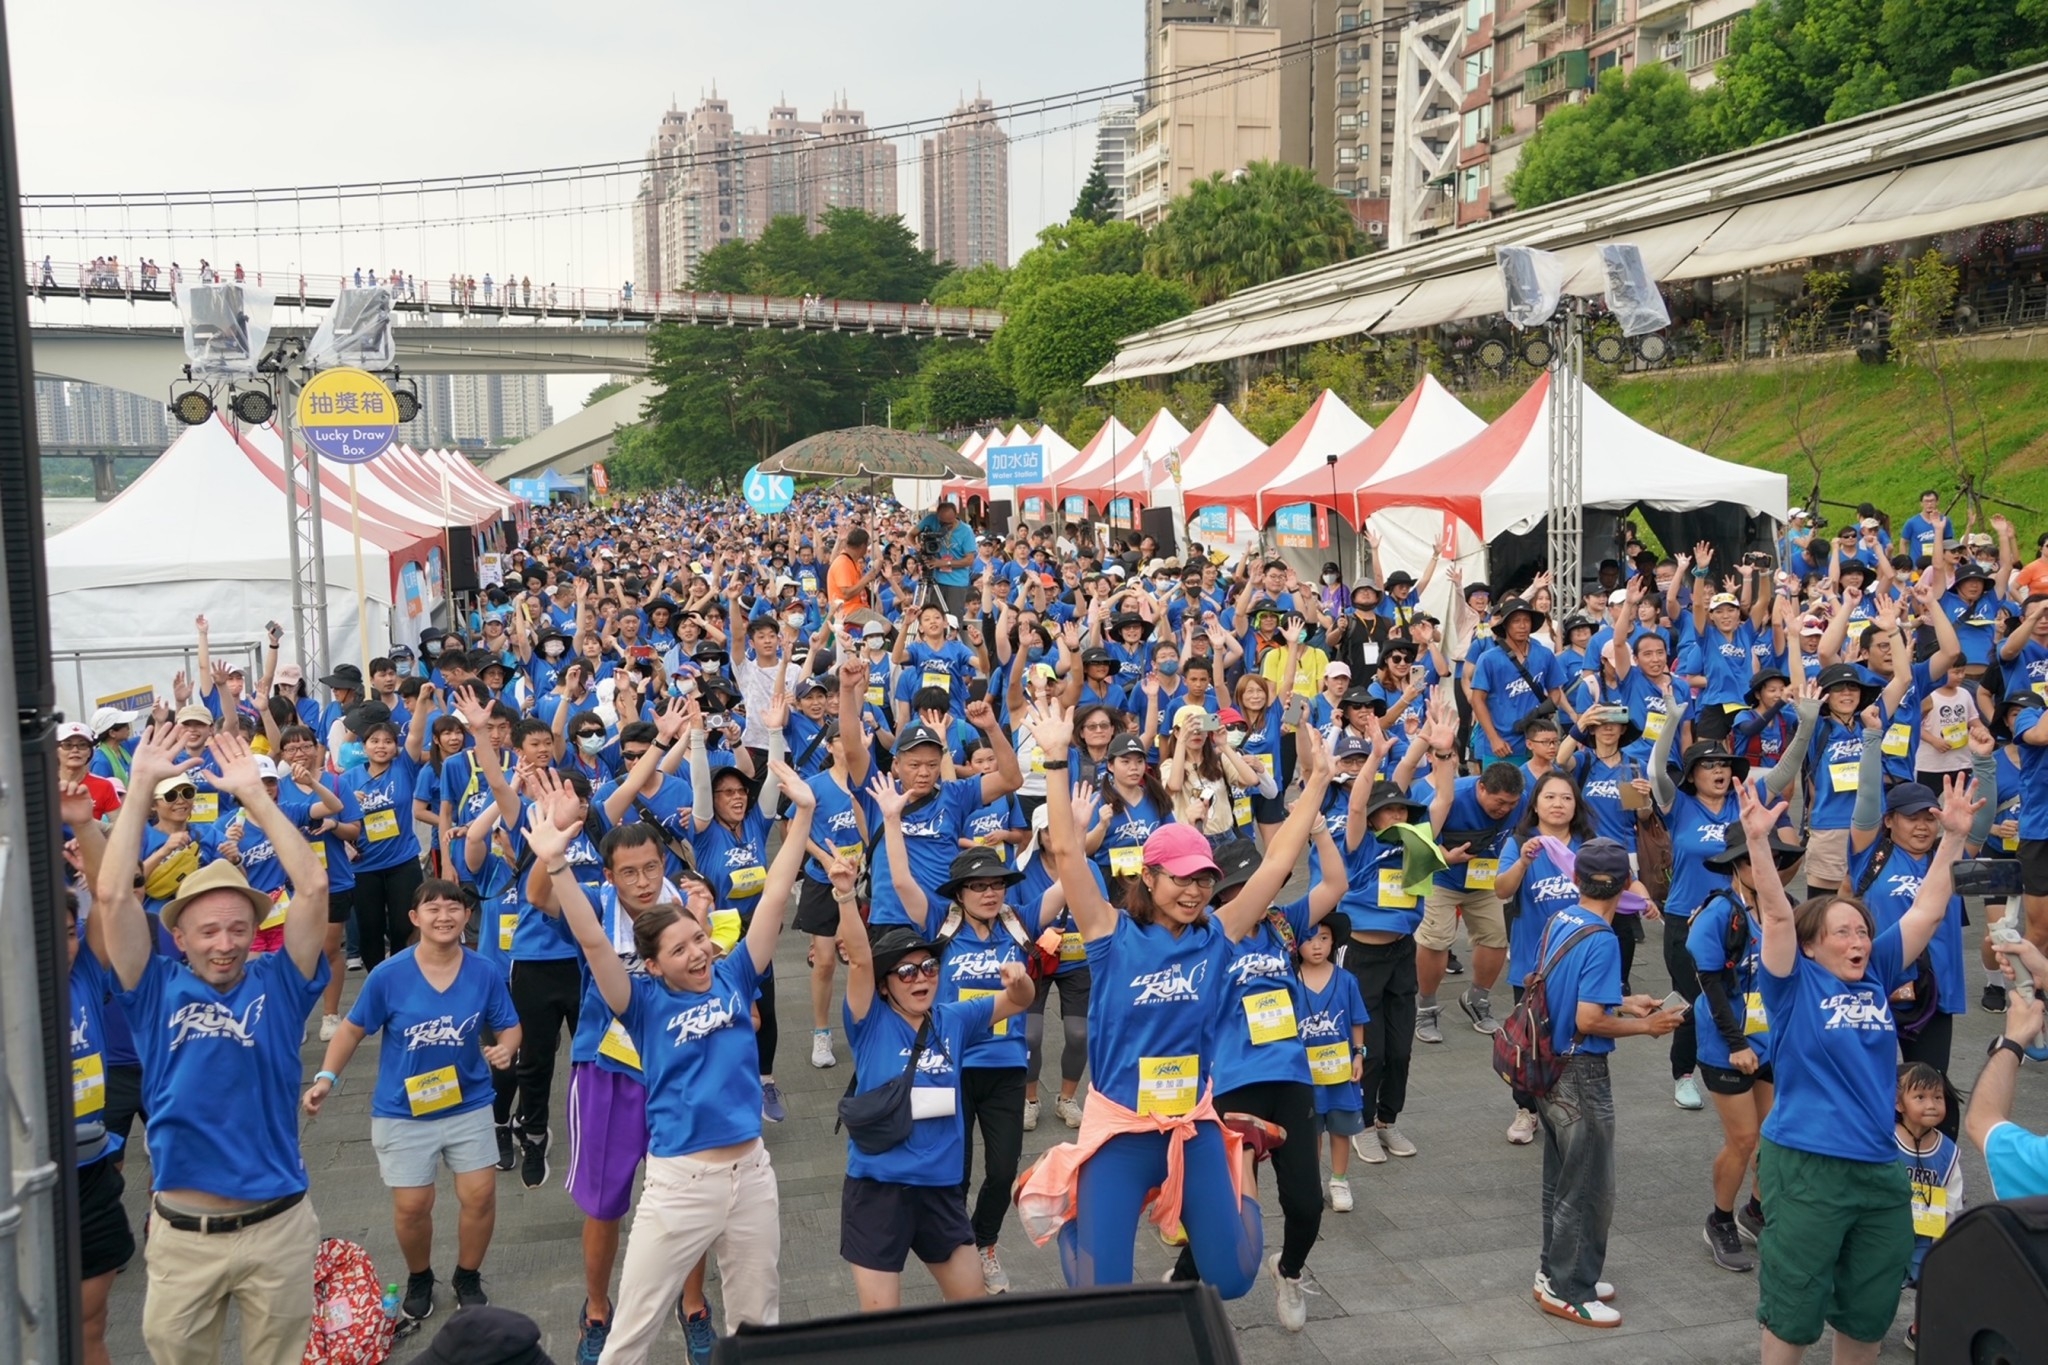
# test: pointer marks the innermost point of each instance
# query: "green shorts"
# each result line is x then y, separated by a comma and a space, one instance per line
1838, 1236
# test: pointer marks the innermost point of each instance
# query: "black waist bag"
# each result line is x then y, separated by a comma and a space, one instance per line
879, 1119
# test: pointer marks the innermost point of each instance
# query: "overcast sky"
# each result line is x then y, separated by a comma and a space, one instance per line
136, 95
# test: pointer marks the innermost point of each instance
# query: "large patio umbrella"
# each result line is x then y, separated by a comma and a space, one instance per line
873, 452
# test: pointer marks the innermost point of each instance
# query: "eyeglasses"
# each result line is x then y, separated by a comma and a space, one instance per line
181, 794
980, 884
907, 972
632, 756
1201, 881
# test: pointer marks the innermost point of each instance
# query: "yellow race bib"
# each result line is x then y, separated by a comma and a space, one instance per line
1846, 776
379, 825
878, 696
1073, 948
1166, 1085
1271, 1016
1393, 895
1930, 1210
938, 678
280, 901
1127, 861
617, 1044
433, 1091
725, 929
1754, 1020
1955, 735
205, 808
1480, 872
1241, 810
1001, 1027
748, 881
1653, 726
1330, 1064
506, 925
88, 1085
1898, 740
320, 851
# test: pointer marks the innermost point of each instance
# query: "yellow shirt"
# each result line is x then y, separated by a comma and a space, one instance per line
1308, 673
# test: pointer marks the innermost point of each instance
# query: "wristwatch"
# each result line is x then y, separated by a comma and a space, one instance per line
2001, 1043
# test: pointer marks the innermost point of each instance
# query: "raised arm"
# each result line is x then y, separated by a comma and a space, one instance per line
1251, 903
1960, 804
890, 799
1781, 776
782, 873
548, 836
1053, 727
1662, 790
305, 919
1773, 906
129, 942
853, 687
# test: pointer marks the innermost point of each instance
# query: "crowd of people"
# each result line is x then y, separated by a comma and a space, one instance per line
977, 772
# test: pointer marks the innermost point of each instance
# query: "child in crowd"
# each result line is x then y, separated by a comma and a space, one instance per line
1333, 1031
1932, 1162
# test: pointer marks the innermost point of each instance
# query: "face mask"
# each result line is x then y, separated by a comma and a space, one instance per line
793, 618
1343, 779
591, 744
1332, 578
552, 649
1167, 668
1237, 739
432, 647
1034, 655
351, 755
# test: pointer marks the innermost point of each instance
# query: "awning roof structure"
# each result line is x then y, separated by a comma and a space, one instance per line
1428, 423
1950, 161
1327, 428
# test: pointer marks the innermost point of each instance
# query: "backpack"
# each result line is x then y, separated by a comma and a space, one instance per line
1909, 1017
349, 1325
1524, 1054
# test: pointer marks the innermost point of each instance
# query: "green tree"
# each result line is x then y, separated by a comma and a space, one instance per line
1637, 124
1069, 250
1266, 222
1069, 331
981, 287
956, 386
604, 391
1096, 204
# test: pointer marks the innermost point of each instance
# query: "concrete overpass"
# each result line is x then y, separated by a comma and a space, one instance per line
575, 442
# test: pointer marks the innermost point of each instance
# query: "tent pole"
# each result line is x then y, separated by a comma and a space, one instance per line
355, 530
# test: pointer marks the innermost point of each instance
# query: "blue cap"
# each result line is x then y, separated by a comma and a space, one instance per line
1910, 798
1603, 868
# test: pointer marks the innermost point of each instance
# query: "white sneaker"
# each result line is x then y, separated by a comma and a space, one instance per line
1293, 1305
821, 1049
1031, 1116
1069, 1111
1594, 1314
994, 1278
1523, 1130
1602, 1291
1391, 1138
1685, 1093
1366, 1147
1340, 1194
330, 1024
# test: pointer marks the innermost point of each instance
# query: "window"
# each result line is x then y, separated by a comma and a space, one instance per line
1390, 50
1347, 156
1472, 182
1705, 46
1347, 56
1606, 14
1604, 61
1478, 125
1476, 12
1477, 67
1365, 85
1347, 21
1347, 90
1347, 186
1347, 123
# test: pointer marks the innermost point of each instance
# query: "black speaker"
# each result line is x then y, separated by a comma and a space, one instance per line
508, 536
1117, 1325
999, 517
1984, 1286
1157, 522
462, 575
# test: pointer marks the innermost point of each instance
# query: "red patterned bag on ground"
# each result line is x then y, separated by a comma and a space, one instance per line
349, 1326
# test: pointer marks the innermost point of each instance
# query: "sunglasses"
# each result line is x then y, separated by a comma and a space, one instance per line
907, 972
632, 755
181, 794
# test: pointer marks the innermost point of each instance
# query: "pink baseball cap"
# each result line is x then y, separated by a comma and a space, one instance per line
1179, 849
290, 675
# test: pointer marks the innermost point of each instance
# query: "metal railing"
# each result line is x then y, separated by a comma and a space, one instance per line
88, 671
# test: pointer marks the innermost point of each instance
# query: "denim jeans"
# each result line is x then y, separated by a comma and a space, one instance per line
1578, 1176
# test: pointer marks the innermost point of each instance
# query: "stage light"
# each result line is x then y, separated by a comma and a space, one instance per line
405, 395
1537, 352
252, 406
1493, 353
1653, 348
1609, 349
194, 407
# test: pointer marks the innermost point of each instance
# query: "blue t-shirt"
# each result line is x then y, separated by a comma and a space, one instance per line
386, 802
221, 1073
698, 1053
736, 861
1707, 941
1327, 1018
2017, 1161
1590, 973
1151, 1012
931, 835
1545, 891
432, 1065
1698, 832
1725, 661
1890, 895
90, 1049
1836, 1054
1508, 695
1122, 853
1837, 752
834, 824
1466, 818
1600, 785
936, 1151
972, 969
1258, 1029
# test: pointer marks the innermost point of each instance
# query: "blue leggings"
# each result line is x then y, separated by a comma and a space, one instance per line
1226, 1236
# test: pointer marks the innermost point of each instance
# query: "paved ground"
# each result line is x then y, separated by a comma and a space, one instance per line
1434, 1264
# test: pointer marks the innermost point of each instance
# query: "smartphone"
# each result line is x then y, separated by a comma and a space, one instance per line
1674, 1002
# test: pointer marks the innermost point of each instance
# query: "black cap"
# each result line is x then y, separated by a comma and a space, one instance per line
1126, 744
1096, 654
363, 715
1400, 578
1364, 696
1845, 675
1766, 675
1385, 794
974, 865
487, 1335
1509, 610
1603, 868
891, 943
1910, 798
1236, 860
915, 734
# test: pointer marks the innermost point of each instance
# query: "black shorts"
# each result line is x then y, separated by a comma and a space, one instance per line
880, 1223
124, 1100
817, 914
2034, 867
105, 1241
342, 904
1724, 1080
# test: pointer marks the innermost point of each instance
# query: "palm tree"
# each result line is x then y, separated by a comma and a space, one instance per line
1262, 223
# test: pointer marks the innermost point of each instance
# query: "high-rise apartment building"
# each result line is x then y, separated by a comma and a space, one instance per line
967, 188
1212, 105
708, 182
488, 411
1116, 136
69, 413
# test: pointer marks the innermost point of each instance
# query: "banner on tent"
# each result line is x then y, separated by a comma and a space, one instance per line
1034, 507
1214, 519
1294, 526
1322, 528
1009, 466
133, 699
1077, 507
1120, 511
533, 491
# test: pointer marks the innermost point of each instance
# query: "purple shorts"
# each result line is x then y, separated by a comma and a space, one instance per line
607, 1139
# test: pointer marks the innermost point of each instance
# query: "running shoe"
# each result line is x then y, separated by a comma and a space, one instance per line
1391, 1138
1749, 1222
1031, 1116
1993, 1001
1172, 1239
591, 1337
1262, 1136
821, 1049
1069, 1110
771, 1102
1594, 1314
698, 1333
330, 1024
1340, 1194
994, 1278
508, 1149
1428, 1024
1288, 1297
1479, 1005
418, 1303
533, 1160
1685, 1093
1725, 1242
1366, 1147
469, 1288
355, 963
1602, 1291
1453, 967
1523, 1130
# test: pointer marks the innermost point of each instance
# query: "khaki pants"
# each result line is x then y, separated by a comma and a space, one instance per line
266, 1271
688, 1207
1485, 921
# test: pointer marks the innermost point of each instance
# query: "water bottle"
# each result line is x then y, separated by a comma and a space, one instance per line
391, 1302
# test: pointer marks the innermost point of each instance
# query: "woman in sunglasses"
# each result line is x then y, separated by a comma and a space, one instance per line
912, 1197
1150, 1132
171, 851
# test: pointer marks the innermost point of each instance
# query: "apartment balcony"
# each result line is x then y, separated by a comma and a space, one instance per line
1548, 79
1662, 14
1144, 159
1550, 18
1665, 51
1147, 203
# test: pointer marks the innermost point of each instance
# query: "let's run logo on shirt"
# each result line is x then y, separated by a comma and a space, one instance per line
1252, 966
978, 965
442, 1032
211, 1019
701, 1021
1173, 985
1857, 1010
